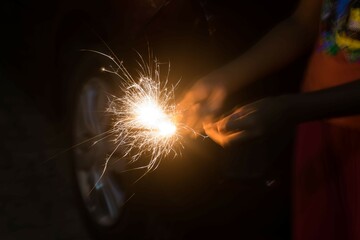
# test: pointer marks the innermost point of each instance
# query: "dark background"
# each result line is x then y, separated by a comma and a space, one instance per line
39, 46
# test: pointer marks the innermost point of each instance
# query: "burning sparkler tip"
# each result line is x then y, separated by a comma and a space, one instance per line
144, 116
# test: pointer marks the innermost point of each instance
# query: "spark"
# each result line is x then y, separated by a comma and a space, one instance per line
144, 120
144, 114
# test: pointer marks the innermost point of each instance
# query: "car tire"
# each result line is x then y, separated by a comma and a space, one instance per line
105, 200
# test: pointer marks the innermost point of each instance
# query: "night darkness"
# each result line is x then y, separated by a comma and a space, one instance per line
205, 193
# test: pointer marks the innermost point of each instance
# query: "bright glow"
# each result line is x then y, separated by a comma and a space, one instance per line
151, 116
143, 114
167, 128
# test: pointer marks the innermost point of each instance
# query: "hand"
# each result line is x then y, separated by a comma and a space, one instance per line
201, 103
249, 122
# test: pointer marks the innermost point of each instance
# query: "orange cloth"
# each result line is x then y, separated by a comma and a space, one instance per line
327, 162
326, 71
326, 183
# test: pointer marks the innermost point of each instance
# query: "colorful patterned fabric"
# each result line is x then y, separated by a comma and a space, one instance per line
325, 71
340, 28
327, 156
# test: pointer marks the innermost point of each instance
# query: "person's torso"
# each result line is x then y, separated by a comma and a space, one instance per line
336, 57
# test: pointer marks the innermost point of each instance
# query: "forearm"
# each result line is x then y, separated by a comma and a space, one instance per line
279, 47
333, 102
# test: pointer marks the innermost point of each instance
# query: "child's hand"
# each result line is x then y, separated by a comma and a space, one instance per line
200, 104
249, 122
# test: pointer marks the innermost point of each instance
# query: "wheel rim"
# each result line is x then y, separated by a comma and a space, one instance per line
103, 195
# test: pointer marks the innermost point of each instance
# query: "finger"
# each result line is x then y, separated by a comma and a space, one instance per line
239, 124
223, 140
194, 118
232, 122
242, 112
211, 132
242, 137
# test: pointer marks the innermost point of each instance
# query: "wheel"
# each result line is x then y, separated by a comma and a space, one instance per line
103, 195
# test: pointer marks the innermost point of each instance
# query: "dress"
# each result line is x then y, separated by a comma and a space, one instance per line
327, 158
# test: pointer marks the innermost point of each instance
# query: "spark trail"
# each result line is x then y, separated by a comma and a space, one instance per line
144, 114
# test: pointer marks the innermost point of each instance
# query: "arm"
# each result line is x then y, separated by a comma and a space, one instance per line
340, 101
273, 114
281, 45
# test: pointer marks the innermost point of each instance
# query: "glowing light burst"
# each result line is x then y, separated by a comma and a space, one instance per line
145, 120
149, 115
144, 114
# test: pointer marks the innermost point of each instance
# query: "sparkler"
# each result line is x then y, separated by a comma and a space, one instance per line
145, 119
144, 115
